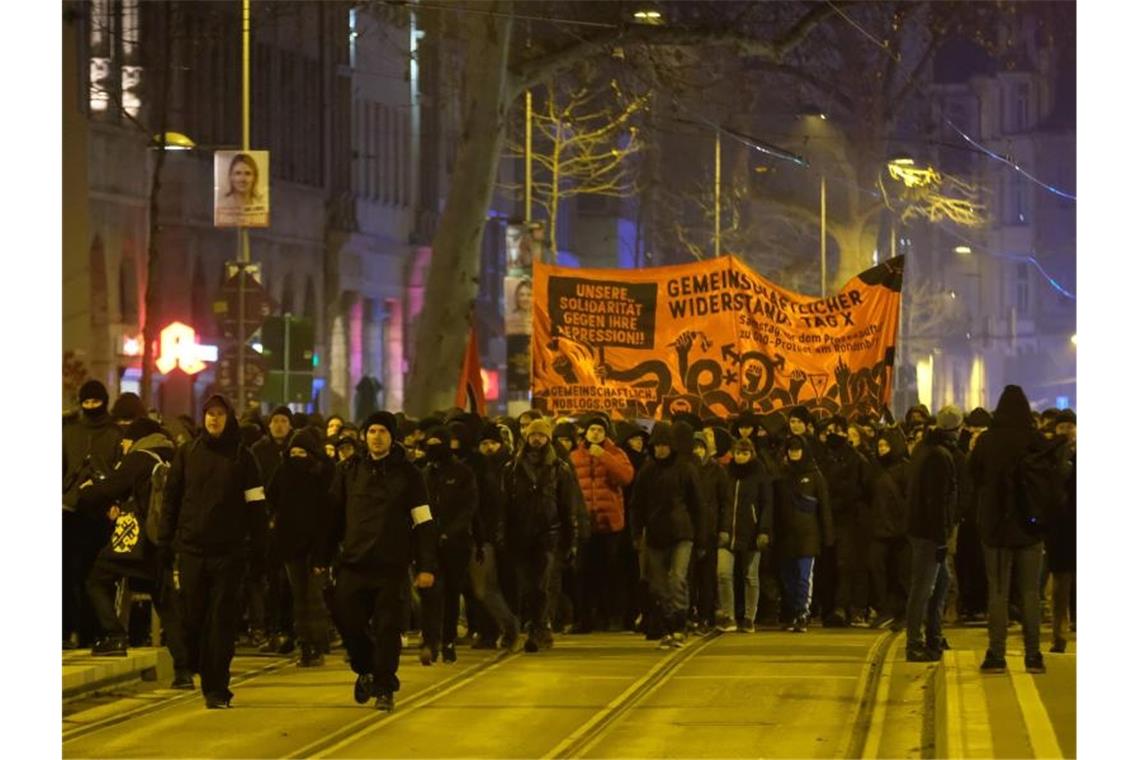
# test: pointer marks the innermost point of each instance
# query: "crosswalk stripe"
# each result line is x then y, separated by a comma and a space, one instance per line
1042, 737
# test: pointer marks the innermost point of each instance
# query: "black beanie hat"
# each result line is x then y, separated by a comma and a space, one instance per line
599, 419
490, 432
384, 419
1067, 415
93, 389
285, 411
802, 414
662, 434
979, 418
141, 428
566, 430
128, 406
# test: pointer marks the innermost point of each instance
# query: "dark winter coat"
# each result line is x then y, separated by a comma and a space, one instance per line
270, 454
602, 479
934, 488
90, 448
540, 499
215, 500
748, 510
712, 481
1061, 543
380, 515
803, 524
666, 502
453, 494
488, 526
298, 503
848, 480
995, 454
888, 490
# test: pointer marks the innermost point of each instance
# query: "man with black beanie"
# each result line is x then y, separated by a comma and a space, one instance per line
380, 514
270, 601
90, 450
214, 507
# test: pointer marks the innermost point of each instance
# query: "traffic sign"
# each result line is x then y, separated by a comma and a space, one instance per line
227, 373
258, 304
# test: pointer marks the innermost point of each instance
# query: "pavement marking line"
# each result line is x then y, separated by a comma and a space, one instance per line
955, 736
850, 724
977, 731
1042, 737
611, 710
882, 694
377, 720
790, 677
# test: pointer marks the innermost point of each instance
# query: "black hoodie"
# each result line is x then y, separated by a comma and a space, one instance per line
297, 498
215, 499
666, 499
90, 449
888, 489
748, 510
453, 492
997, 451
803, 521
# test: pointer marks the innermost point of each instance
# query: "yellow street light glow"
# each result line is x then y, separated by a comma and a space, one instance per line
1073, 339
173, 141
913, 176
902, 161
963, 249
648, 16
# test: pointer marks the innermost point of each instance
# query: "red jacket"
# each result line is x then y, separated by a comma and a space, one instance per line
602, 479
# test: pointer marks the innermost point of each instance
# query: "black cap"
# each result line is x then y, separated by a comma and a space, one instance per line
284, 411
141, 428
384, 419
128, 406
93, 389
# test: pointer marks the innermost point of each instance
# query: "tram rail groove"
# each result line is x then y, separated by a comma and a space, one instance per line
858, 728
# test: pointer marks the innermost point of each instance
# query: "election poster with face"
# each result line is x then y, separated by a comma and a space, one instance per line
713, 338
241, 188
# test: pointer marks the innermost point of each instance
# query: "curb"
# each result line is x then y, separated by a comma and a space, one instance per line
85, 674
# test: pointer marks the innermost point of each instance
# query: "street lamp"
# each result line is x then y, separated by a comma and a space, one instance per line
964, 249
172, 141
649, 16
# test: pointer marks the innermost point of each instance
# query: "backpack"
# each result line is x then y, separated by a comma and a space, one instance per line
1035, 489
158, 475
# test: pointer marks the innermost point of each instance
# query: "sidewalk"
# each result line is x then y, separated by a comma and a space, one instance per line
1009, 715
83, 673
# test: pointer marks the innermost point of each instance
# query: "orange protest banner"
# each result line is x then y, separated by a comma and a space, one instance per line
713, 338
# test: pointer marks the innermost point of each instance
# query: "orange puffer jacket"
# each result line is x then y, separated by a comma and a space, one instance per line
602, 479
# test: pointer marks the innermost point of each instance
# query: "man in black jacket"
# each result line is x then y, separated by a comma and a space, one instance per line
539, 489
214, 505
843, 581
90, 450
381, 515
268, 587
124, 497
667, 516
934, 487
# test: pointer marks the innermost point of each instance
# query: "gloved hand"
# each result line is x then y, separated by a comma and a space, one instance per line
722, 540
762, 541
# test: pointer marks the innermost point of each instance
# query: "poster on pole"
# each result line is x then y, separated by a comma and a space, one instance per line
713, 338
241, 188
519, 294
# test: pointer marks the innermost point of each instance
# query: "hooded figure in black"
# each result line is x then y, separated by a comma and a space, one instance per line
667, 515
453, 495
90, 451
299, 518
712, 480
124, 496
380, 515
1008, 548
803, 527
267, 588
214, 505
744, 528
889, 552
540, 492
843, 577
632, 439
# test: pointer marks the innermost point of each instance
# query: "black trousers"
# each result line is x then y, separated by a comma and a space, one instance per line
208, 588
970, 562
535, 578
83, 537
837, 568
441, 601
309, 613
702, 585
889, 560
101, 591
601, 582
369, 610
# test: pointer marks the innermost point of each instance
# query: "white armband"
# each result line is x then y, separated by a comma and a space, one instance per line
254, 494
421, 514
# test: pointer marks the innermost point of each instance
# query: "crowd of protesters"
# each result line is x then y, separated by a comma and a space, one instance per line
292, 533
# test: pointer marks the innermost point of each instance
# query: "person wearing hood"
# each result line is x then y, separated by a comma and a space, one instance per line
744, 529
603, 471
453, 495
712, 480
381, 516
667, 515
632, 439
539, 491
90, 451
969, 560
124, 497
804, 524
565, 438
267, 587
127, 408
1061, 542
214, 506
298, 518
936, 487
843, 580
1007, 546
888, 554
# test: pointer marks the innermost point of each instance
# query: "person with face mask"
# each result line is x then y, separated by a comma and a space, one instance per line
298, 517
804, 524
214, 507
712, 480
381, 517
843, 577
744, 529
453, 495
632, 439
667, 516
603, 470
267, 586
539, 491
1061, 542
90, 451
888, 554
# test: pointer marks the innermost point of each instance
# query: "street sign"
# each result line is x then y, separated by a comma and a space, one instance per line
227, 373
287, 348
258, 304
